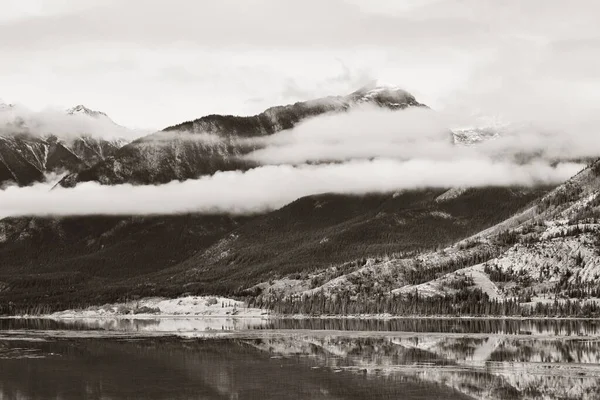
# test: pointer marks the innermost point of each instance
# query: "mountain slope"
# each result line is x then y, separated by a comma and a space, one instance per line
216, 142
316, 232
21, 160
25, 159
60, 262
546, 257
106, 259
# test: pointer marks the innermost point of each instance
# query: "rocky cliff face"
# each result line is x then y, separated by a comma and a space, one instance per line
25, 159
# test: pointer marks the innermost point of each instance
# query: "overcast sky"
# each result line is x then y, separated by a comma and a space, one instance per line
153, 63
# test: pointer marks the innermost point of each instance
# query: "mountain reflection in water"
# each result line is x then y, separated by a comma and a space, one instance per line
168, 368
440, 359
556, 327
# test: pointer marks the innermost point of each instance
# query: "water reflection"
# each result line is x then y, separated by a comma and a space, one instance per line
553, 327
564, 327
139, 325
168, 368
274, 359
497, 367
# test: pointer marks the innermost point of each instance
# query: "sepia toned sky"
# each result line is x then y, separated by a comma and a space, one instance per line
154, 63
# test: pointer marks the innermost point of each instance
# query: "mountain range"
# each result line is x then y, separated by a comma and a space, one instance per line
183, 152
437, 242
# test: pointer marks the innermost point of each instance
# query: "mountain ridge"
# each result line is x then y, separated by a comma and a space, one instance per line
178, 152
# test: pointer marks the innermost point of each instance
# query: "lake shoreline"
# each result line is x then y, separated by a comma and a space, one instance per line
216, 307
272, 316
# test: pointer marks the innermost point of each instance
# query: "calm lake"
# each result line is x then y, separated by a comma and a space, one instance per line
299, 359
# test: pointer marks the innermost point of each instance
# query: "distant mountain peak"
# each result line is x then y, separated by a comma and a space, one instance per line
384, 94
83, 110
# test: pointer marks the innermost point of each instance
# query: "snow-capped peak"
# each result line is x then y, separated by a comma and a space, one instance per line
391, 95
83, 110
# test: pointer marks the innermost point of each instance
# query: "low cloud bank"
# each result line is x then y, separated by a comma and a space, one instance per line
369, 132
270, 187
365, 132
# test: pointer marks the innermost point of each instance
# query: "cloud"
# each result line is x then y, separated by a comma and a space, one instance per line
20, 120
204, 57
368, 132
253, 23
364, 132
270, 187
547, 91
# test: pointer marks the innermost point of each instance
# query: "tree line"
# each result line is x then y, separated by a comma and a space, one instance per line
471, 302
